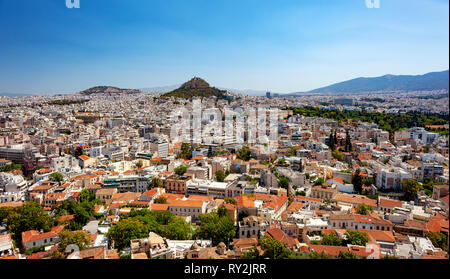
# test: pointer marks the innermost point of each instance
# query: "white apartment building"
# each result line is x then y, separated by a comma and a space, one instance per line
392, 178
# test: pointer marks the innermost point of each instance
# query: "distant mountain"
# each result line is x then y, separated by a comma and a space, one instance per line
161, 89
195, 87
426, 82
108, 89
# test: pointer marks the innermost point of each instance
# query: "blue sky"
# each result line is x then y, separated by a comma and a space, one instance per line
276, 45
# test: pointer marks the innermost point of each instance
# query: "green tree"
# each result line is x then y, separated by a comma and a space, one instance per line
363, 209
251, 254
30, 216
331, 239
125, 231
283, 182
411, 189
338, 155
244, 153
319, 181
161, 200
357, 181
331, 142
218, 229
348, 143
11, 167
222, 211
139, 164
186, 151
85, 196
177, 229
230, 200
81, 239
438, 239
56, 177
180, 170
273, 249
220, 175
154, 183
347, 255
356, 238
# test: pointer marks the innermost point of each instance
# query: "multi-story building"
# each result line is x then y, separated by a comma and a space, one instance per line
252, 227
176, 184
392, 178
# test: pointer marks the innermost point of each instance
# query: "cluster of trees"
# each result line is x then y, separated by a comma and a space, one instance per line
274, 249
338, 155
387, 121
139, 223
11, 167
56, 177
283, 182
357, 181
83, 211
161, 200
438, 240
428, 183
441, 131
332, 141
67, 238
410, 189
180, 170
319, 181
363, 209
216, 226
353, 237
244, 153
30, 216
186, 151
154, 183
220, 175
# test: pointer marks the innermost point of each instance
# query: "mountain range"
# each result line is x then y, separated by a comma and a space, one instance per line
389, 83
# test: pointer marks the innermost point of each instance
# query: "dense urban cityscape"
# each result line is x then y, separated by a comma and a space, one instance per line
100, 174
224, 139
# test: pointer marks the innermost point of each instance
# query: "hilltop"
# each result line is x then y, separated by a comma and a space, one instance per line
108, 89
196, 87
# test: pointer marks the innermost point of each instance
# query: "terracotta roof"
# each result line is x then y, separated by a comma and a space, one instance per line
437, 223
354, 199
84, 157
245, 242
150, 193
159, 207
186, 203
329, 250
295, 206
33, 235
390, 203
376, 235
245, 201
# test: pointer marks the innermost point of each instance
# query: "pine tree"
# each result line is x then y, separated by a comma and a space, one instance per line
331, 142
348, 144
